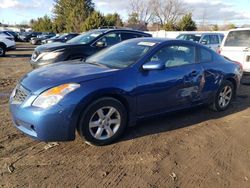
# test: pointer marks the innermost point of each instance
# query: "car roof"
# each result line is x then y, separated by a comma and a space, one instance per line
151, 39
240, 29
197, 33
164, 40
106, 30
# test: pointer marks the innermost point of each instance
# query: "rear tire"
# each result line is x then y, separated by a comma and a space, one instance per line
224, 96
2, 51
103, 122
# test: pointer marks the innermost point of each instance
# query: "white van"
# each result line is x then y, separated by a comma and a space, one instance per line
236, 46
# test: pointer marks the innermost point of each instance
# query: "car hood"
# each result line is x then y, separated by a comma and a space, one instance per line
65, 72
51, 46
55, 46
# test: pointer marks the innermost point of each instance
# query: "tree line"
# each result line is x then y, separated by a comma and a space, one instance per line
80, 15
74, 16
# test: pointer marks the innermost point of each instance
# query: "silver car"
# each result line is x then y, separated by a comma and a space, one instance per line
211, 40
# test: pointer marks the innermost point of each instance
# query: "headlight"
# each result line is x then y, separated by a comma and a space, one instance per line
54, 95
49, 55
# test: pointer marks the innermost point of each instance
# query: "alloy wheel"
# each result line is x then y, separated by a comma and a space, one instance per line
104, 123
225, 96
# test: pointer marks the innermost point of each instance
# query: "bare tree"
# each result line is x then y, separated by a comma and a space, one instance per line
142, 9
166, 11
204, 26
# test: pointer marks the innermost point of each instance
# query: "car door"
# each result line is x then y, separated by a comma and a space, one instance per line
177, 85
105, 41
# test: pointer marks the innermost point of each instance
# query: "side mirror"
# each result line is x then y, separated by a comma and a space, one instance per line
100, 44
153, 65
204, 42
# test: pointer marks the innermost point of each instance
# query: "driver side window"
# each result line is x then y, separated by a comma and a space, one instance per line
175, 55
111, 39
206, 39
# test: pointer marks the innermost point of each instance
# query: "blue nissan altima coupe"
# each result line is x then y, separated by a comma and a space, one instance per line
135, 79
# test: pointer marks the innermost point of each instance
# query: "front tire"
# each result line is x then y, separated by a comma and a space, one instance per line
103, 122
224, 96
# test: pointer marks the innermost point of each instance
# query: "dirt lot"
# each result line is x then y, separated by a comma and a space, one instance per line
195, 148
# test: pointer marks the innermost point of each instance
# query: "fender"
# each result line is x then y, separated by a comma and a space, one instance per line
128, 101
3, 44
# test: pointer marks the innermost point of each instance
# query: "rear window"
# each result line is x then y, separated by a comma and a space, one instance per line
126, 36
238, 38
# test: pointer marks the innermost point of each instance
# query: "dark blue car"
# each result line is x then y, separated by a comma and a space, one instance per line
116, 87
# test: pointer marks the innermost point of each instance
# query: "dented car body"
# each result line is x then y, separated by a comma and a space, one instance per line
147, 76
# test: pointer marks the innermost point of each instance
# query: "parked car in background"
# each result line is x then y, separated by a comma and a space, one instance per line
81, 46
63, 38
49, 40
211, 40
236, 46
26, 36
7, 42
116, 87
11, 33
38, 40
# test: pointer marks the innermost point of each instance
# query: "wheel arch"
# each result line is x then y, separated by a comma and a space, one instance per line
234, 82
91, 98
3, 44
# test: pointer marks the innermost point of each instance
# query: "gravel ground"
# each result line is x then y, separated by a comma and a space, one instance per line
194, 148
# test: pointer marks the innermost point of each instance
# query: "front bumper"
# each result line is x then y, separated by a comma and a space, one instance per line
54, 124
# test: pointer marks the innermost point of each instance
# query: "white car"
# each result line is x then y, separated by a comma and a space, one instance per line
6, 43
236, 46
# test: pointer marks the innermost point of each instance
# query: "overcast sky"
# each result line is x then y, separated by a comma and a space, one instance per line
214, 11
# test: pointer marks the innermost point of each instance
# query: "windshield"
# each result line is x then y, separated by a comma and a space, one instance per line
85, 38
121, 55
5, 33
55, 37
63, 36
238, 38
190, 37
